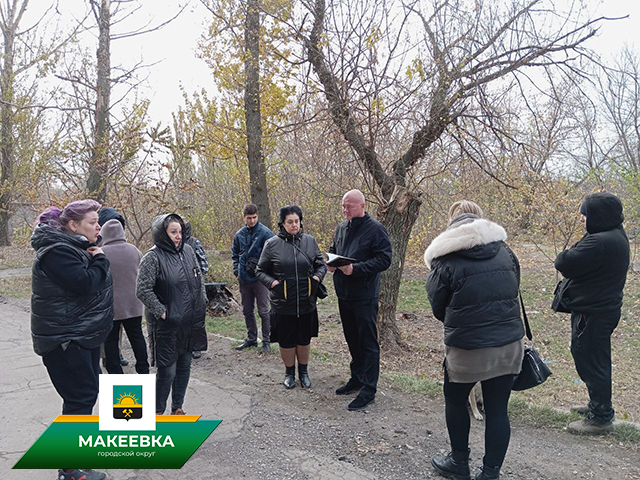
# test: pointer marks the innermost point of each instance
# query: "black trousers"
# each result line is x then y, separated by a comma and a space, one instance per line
74, 373
360, 326
591, 350
497, 431
133, 328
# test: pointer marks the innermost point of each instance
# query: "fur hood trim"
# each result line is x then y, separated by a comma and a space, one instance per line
463, 237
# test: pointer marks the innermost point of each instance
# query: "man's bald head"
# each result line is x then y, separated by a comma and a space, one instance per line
353, 204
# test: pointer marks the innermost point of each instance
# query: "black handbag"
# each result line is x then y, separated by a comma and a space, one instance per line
322, 290
559, 297
534, 370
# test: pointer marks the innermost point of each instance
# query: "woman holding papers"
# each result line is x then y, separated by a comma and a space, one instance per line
292, 267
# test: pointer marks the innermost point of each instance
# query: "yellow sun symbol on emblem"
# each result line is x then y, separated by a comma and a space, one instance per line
128, 400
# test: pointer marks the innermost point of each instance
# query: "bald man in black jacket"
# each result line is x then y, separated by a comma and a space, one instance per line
358, 288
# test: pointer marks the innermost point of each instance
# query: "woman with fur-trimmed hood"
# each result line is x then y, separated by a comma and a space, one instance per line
473, 289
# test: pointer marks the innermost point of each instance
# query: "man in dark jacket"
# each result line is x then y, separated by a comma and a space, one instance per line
247, 247
358, 287
596, 267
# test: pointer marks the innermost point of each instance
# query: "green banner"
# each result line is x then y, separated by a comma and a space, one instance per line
66, 445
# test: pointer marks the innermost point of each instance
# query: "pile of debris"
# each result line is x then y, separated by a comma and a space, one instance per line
219, 298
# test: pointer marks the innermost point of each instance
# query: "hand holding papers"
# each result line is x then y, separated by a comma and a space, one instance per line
334, 260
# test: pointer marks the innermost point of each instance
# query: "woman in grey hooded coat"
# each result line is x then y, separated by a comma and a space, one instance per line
171, 287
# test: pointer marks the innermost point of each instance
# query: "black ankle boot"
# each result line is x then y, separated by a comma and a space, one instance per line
303, 375
290, 377
454, 466
488, 473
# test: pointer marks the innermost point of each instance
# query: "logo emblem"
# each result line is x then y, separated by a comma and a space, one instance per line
127, 402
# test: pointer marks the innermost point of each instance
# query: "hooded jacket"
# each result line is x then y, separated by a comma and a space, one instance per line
366, 240
247, 247
170, 282
473, 284
124, 259
597, 265
201, 255
72, 296
108, 213
283, 259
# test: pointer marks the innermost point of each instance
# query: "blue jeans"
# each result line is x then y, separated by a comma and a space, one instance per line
174, 378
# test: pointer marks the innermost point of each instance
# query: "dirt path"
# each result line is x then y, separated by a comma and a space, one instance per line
269, 433
394, 439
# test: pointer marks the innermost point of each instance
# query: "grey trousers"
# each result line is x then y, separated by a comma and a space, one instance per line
255, 293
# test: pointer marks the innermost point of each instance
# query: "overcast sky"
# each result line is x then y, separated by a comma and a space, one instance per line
174, 47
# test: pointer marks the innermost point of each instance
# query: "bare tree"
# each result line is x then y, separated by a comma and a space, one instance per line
28, 53
255, 157
96, 182
92, 90
620, 94
377, 76
246, 46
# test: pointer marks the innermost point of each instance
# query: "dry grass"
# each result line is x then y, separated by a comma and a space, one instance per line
420, 358
422, 353
15, 257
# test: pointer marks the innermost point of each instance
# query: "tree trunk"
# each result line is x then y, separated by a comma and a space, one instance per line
7, 145
97, 181
257, 167
398, 215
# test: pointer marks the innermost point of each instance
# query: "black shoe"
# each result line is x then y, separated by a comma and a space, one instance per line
289, 381
123, 362
305, 381
488, 473
360, 403
196, 354
454, 466
247, 343
81, 474
349, 387
265, 348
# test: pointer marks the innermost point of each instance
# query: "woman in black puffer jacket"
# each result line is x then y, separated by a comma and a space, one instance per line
71, 307
473, 289
292, 267
171, 287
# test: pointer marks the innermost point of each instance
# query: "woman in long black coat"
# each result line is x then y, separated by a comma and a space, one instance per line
171, 287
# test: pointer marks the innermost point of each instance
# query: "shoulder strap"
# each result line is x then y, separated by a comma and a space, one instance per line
252, 243
305, 256
527, 328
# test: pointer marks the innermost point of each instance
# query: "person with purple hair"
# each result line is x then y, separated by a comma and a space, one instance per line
71, 307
